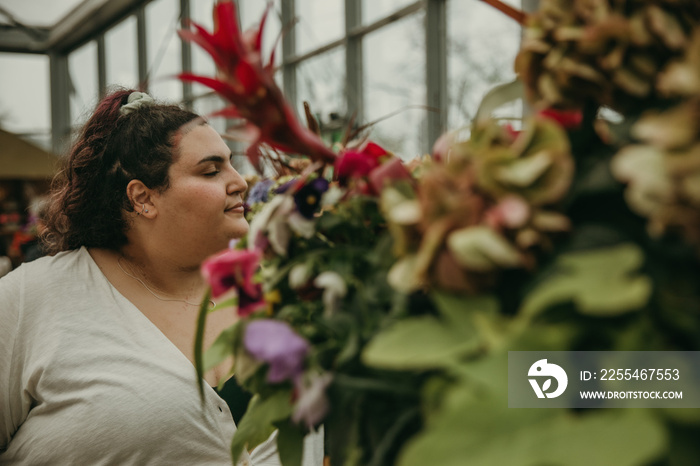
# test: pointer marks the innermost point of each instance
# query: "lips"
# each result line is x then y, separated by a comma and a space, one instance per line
238, 208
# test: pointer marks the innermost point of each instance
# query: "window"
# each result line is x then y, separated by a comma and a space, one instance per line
164, 51
481, 48
82, 69
384, 44
321, 82
24, 106
251, 12
373, 10
394, 86
320, 22
202, 63
122, 54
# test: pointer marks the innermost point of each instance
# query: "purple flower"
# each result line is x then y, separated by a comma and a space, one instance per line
286, 185
308, 198
259, 192
275, 343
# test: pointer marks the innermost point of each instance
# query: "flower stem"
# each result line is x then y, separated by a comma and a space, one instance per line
517, 15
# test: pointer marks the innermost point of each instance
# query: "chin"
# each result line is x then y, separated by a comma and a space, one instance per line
240, 230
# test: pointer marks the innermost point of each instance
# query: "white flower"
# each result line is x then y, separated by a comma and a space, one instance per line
334, 289
271, 222
332, 196
301, 225
299, 276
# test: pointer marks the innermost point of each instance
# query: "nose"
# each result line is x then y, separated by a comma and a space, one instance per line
236, 183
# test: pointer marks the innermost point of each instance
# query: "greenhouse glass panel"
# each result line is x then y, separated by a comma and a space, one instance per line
394, 86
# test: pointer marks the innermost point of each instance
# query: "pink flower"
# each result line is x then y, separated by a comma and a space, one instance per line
387, 173
369, 169
312, 405
275, 343
510, 212
248, 84
354, 164
235, 269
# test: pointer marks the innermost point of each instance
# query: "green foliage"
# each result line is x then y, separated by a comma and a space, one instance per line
599, 283
259, 421
290, 442
478, 436
418, 343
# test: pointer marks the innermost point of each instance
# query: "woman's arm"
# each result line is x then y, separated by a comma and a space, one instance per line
11, 413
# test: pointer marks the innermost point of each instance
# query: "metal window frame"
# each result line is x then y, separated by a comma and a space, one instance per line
436, 70
59, 42
355, 32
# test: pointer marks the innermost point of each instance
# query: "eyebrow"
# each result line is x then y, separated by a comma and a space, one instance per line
214, 158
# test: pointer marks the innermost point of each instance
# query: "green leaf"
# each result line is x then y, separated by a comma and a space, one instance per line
290, 443
619, 438
199, 342
350, 348
459, 310
418, 343
257, 423
497, 97
482, 249
601, 282
474, 426
222, 348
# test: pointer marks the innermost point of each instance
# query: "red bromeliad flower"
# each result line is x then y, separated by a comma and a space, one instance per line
250, 87
235, 269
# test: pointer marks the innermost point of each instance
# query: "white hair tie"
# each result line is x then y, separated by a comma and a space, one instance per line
135, 101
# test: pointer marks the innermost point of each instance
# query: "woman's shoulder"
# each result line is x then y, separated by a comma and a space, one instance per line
49, 269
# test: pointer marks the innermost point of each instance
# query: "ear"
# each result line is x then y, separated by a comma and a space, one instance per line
141, 198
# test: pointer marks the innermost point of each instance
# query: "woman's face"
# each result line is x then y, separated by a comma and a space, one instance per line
202, 209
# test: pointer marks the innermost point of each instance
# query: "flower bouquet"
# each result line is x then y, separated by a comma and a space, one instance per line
381, 299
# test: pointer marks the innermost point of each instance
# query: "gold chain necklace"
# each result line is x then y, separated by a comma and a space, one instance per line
119, 263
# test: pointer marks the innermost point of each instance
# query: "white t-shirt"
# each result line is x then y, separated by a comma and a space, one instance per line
86, 378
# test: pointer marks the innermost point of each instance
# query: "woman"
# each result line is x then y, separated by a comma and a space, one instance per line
96, 342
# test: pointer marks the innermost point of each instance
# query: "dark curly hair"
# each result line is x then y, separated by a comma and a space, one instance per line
89, 194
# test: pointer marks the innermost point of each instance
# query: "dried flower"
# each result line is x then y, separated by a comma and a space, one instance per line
681, 78
662, 172
535, 164
480, 210
609, 52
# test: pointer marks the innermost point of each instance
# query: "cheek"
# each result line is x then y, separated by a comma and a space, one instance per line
198, 202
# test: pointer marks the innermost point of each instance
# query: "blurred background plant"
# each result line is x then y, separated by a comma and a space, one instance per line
380, 299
